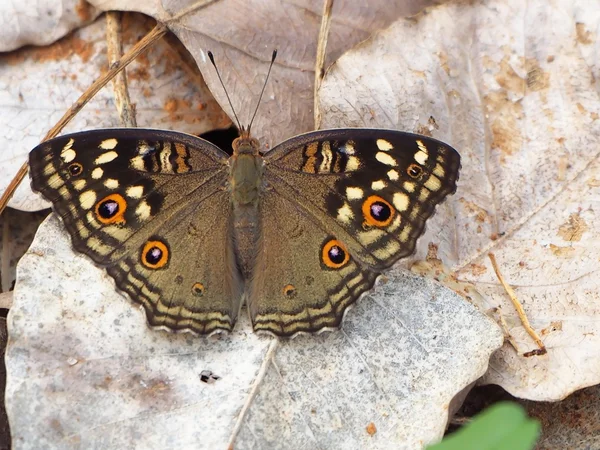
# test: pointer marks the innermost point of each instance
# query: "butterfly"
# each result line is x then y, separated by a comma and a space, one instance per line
190, 233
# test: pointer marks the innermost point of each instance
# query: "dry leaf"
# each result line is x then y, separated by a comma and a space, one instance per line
41, 23
520, 103
37, 86
242, 36
84, 369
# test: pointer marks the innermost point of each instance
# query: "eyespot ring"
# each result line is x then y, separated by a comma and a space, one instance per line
198, 289
375, 205
334, 254
75, 169
414, 171
111, 209
155, 254
289, 290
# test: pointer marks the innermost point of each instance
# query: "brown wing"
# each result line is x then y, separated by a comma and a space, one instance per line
364, 193
152, 208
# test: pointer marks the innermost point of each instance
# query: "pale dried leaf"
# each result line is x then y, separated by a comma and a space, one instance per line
85, 371
512, 86
242, 35
37, 86
41, 22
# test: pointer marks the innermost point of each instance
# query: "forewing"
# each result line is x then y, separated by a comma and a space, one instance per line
152, 208
372, 189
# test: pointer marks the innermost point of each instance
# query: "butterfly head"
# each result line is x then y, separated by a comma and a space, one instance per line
245, 144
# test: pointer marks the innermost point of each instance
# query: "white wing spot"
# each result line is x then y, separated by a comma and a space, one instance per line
383, 145
87, 200
421, 157
354, 193
108, 144
143, 210
396, 223
82, 229
97, 173
79, 184
353, 164
401, 201
378, 185
327, 157
347, 148
354, 281
106, 157
137, 163
48, 169
433, 183
405, 234
393, 175
135, 191
92, 222
439, 171
64, 193
345, 214
386, 252
386, 159
111, 183
117, 232
368, 237
165, 164
55, 181
409, 186
68, 155
96, 244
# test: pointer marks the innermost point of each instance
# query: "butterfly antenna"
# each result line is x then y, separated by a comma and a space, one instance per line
212, 60
263, 88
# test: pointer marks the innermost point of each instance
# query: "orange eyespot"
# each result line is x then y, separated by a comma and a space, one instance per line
334, 254
155, 255
111, 209
377, 211
75, 169
289, 291
414, 171
198, 289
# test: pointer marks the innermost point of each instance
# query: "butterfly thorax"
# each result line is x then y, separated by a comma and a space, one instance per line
246, 181
246, 167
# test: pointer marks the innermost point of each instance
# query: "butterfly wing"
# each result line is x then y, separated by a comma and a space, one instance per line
340, 207
152, 208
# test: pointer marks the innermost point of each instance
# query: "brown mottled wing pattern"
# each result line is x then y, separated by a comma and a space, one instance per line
340, 207
152, 208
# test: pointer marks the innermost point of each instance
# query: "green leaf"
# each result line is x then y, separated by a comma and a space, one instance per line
503, 426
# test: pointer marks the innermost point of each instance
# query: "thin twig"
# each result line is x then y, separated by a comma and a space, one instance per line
520, 311
114, 39
505, 329
320, 59
157, 32
5, 279
260, 376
